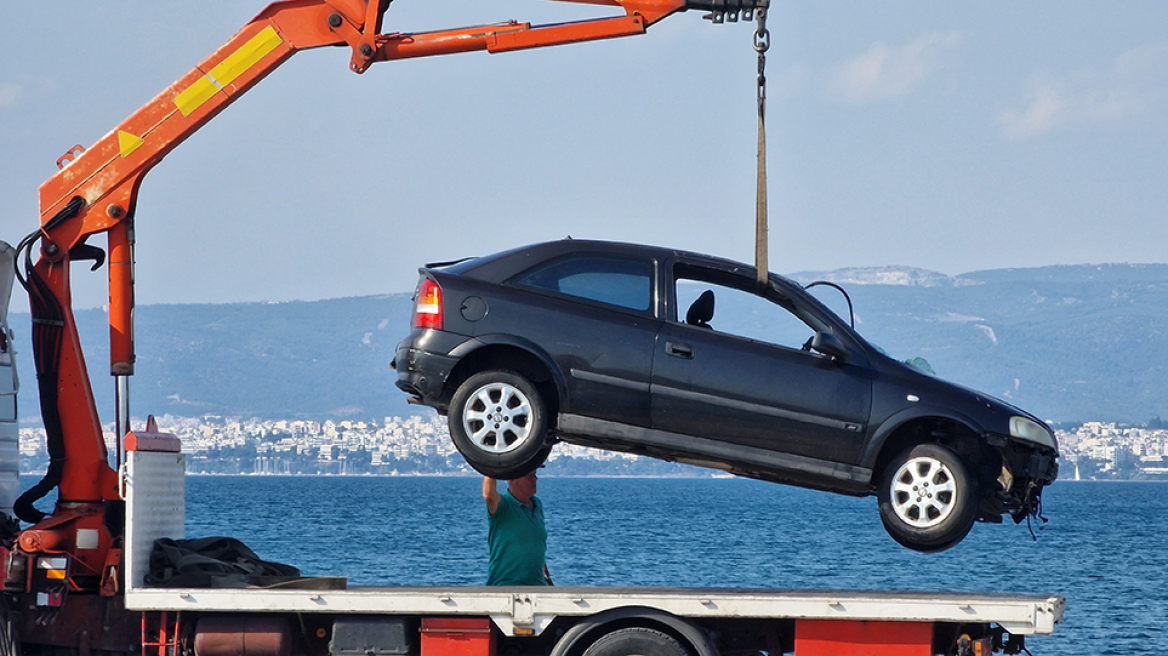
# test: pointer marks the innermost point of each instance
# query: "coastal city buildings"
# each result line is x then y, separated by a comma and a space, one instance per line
393, 446
421, 445
1100, 450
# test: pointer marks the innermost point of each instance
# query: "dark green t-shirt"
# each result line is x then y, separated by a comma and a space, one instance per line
518, 542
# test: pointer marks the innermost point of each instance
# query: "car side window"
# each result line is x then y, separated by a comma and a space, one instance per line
739, 312
616, 281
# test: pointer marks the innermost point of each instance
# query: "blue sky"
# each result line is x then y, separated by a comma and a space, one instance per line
953, 136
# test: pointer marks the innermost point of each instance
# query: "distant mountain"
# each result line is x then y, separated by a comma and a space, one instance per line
1069, 343
891, 275
311, 360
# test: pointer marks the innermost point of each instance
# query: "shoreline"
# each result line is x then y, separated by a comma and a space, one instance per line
549, 476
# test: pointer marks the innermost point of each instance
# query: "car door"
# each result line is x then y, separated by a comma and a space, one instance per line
745, 379
594, 315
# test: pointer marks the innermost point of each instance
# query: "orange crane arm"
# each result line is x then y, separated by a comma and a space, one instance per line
95, 191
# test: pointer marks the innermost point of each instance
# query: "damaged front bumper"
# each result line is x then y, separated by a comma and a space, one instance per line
1026, 470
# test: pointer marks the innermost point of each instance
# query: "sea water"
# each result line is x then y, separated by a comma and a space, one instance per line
1105, 547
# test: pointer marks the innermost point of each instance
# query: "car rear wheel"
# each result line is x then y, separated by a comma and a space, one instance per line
928, 500
498, 421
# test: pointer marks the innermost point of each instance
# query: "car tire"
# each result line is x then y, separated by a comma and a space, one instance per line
637, 641
928, 500
498, 422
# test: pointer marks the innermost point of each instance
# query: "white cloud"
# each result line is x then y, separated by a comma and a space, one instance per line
9, 94
885, 72
1131, 87
1046, 108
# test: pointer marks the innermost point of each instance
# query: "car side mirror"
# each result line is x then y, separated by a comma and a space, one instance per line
831, 346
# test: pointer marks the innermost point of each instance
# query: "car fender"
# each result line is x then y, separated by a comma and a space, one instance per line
900, 418
497, 339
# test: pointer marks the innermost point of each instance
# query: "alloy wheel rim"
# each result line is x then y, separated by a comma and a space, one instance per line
498, 418
924, 492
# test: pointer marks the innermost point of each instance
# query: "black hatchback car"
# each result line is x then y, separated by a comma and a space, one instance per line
618, 346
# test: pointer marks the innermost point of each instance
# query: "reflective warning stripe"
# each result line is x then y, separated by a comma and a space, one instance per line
128, 143
236, 64
195, 95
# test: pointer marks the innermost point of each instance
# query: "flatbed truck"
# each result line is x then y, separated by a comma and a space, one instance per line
75, 580
325, 616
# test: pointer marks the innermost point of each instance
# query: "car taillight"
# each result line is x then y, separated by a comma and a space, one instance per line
428, 310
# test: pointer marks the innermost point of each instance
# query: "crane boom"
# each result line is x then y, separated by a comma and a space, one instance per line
95, 191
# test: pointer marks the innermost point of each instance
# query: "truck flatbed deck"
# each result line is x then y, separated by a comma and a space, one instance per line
535, 608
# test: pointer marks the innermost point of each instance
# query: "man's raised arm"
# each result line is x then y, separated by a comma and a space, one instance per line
491, 495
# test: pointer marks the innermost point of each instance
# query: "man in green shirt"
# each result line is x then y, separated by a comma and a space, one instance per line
517, 536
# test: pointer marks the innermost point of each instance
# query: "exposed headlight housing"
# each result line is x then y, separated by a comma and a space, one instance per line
1031, 431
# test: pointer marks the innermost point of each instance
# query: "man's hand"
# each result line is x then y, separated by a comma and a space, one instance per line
491, 495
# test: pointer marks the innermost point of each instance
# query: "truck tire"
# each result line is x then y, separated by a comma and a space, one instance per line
928, 500
498, 422
637, 641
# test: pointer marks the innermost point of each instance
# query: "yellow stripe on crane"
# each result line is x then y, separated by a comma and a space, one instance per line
236, 64
128, 143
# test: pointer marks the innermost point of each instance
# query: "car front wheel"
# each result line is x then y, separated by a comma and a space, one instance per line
498, 422
928, 501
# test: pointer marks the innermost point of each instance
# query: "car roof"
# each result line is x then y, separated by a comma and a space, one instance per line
503, 265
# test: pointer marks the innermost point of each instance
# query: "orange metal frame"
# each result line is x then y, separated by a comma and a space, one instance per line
104, 180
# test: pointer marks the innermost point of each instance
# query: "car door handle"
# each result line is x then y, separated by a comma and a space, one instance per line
677, 350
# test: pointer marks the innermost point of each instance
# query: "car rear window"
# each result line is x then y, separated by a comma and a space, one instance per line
611, 280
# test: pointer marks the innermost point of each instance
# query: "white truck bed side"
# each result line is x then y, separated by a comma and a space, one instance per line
154, 500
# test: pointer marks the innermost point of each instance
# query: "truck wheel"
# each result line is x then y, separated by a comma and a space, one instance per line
928, 501
637, 641
498, 422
